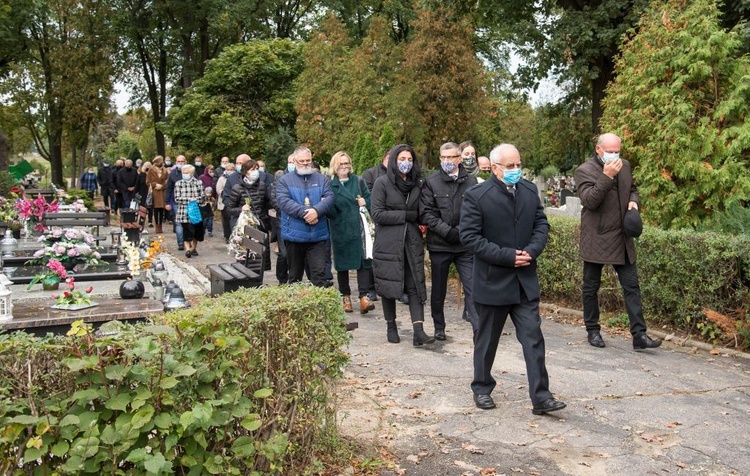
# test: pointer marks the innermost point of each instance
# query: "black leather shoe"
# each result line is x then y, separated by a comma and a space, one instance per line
393, 337
440, 335
421, 338
549, 405
595, 339
484, 402
465, 316
645, 342
372, 296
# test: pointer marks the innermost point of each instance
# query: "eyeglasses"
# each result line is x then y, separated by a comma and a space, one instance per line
449, 157
509, 166
345, 164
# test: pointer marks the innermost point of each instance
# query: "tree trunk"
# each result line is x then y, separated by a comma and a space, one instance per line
73, 165
4, 148
598, 91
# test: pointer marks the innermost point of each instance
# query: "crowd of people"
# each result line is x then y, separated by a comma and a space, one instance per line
491, 230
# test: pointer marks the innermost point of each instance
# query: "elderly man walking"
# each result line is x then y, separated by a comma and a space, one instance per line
304, 197
503, 223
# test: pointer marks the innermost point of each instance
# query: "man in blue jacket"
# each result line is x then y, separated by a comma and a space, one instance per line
304, 197
503, 223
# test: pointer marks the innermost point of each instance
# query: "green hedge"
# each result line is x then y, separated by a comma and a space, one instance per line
681, 274
239, 384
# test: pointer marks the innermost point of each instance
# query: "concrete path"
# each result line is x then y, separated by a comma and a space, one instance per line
673, 410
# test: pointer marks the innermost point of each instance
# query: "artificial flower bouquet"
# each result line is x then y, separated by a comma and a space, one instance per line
54, 274
34, 210
141, 257
72, 297
246, 218
67, 245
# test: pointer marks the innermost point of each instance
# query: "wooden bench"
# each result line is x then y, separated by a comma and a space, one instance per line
227, 277
69, 219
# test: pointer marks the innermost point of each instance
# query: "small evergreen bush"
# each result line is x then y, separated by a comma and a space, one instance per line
687, 278
240, 384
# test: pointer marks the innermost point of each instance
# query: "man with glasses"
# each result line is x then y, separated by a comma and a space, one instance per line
304, 197
503, 223
440, 210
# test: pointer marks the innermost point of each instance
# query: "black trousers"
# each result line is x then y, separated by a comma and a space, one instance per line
116, 201
525, 317
441, 263
416, 307
363, 282
628, 276
106, 194
312, 254
158, 216
226, 223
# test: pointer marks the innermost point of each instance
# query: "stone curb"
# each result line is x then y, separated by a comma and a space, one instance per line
686, 343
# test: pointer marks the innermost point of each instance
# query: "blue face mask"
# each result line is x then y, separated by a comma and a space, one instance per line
290, 168
186, 176
511, 177
179, 166
404, 167
610, 156
448, 167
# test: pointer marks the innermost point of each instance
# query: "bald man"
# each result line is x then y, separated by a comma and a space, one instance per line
607, 192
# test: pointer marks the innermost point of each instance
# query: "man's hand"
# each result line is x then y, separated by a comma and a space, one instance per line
522, 259
612, 168
168, 208
311, 216
245, 208
632, 205
130, 189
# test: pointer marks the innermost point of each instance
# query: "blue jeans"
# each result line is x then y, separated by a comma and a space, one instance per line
177, 227
208, 223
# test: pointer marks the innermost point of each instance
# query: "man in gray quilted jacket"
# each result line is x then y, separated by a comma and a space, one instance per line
607, 191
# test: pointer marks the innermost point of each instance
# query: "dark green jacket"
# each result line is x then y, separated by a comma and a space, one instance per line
346, 225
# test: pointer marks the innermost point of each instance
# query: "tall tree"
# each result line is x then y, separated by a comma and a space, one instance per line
449, 82
246, 94
681, 102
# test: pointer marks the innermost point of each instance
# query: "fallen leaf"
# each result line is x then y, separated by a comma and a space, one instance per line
583, 463
414, 395
680, 464
558, 440
413, 458
472, 449
517, 470
715, 352
669, 337
487, 472
674, 424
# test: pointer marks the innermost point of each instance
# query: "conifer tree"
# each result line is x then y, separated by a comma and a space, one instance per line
680, 102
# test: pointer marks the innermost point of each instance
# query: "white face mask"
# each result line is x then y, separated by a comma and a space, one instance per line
607, 156
254, 174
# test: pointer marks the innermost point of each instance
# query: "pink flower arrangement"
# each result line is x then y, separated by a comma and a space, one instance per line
35, 209
54, 274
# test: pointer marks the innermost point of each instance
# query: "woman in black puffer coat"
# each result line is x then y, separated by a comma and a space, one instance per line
251, 187
398, 255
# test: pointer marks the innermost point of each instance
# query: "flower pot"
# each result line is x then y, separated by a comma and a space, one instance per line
50, 286
132, 289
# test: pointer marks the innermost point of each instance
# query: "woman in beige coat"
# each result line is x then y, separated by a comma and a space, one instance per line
157, 182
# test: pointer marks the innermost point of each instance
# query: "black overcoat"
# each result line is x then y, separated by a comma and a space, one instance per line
494, 224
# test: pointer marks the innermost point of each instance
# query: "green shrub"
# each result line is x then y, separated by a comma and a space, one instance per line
75, 194
7, 182
681, 274
236, 385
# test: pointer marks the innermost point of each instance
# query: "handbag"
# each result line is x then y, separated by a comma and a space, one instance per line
194, 212
150, 198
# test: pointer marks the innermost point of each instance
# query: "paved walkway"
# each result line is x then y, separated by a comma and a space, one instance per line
671, 410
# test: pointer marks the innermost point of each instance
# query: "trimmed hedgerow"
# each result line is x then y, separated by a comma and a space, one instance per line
240, 384
683, 274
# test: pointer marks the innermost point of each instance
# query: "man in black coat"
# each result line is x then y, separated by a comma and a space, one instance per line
503, 223
126, 181
104, 177
440, 210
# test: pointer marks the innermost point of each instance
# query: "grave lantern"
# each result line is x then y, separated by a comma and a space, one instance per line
6, 307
